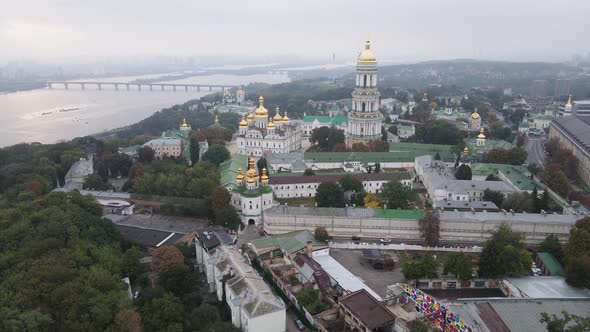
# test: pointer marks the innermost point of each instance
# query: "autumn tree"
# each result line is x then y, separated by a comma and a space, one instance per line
371, 201
556, 179
164, 257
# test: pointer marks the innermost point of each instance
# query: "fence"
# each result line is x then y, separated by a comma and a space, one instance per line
401, 247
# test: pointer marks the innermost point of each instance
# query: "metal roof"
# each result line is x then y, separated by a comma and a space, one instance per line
555, 269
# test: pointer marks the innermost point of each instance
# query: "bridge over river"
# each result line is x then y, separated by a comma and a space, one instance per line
139, 86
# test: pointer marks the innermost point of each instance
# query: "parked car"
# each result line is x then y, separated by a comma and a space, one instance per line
462, 246
385, 241
356, 239
299, 325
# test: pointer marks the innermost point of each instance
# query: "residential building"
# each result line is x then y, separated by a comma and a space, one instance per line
165, 147
306, 186
76, 175
259, 134
364, 120
573, 133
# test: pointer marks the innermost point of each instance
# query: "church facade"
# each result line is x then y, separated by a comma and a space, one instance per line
259, 134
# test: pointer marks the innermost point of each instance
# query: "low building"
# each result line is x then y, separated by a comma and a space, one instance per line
311, 122
78, 172
548, 264
405, 131
166, 147
358, 311
478, 206
402, 225
573, 133
306, 186
519, 177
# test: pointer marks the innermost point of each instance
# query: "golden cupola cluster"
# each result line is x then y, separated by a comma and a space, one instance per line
264, 176
481, 135
367, 55
261, 111
240, 176
243, 123
251, 173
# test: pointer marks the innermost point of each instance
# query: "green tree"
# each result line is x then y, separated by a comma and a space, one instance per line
146, 154
556, 179
308, 172
261, 163
348, 182
459, 265
329, 194
463, 172
178, 279
130, 263
220, 198
163, 314
424, 267
518, 202
321, 234
567, 323
504, 253
216, 154
319, 136
395, 195
95, 182
204, 317
194, 150
577, 254
310, 298
430, 228
551, 245
493, 196
228, 217
421, 325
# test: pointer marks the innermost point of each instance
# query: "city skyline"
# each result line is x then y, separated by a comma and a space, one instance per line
405, 32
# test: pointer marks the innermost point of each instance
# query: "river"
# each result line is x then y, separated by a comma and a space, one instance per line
51, 115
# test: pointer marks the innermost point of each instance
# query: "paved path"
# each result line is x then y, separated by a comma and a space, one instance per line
536, 152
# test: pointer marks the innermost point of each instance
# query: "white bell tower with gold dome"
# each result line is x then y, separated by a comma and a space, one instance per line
364, 119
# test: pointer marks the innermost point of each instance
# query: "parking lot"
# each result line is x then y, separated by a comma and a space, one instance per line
377, 280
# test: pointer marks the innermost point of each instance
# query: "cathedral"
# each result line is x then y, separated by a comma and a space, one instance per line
259, 134
252, 194
364, 119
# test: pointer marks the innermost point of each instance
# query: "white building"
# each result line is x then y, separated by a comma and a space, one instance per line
440, 183
252, 304
311, 122
251, 194
364, 120
306, 186
78, 172
258, 133
165, 147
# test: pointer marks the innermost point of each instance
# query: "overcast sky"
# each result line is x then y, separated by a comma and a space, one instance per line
400, 30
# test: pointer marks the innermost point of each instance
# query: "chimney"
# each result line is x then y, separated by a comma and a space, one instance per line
309, 249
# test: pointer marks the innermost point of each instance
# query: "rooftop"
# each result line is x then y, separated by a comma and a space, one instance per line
148, 237
335, 121
555, 269
290, 242
577, 128
396, 156
345, 212
547, 287
164, 141
367, 309
551, 218
398, 176
478, 205
343, 276
228, 170
513, 314
518, 175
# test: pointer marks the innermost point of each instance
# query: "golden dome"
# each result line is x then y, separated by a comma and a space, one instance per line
261, 111
278, 118
367, 55
481, 135
569, 101
243, 123
250, 116
240, 176
264, 177
475, 115
252, 172
285, 118
465, 150
251, 180
184, 125
270, 124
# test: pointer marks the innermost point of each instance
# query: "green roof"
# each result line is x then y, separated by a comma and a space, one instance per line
552, 265
228, 170
253, 192
401, 146
333, 121
368, 157
289, 242
399, 214
518, 175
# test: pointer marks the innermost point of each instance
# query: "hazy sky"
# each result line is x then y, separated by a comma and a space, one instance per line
400, 30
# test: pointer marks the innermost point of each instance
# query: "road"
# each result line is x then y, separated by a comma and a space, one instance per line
536, 151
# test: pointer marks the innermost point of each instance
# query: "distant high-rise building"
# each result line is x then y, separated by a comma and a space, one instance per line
562, 87
539, 88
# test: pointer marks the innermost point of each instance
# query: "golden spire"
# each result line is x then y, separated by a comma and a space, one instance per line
475, 115
270, 124
278, 118
285, 118
184, 125
367, 55
264, 177
240, 176
481, 135
465, 150
252, 173
243, 123
569, 101
261, 111
250, 116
